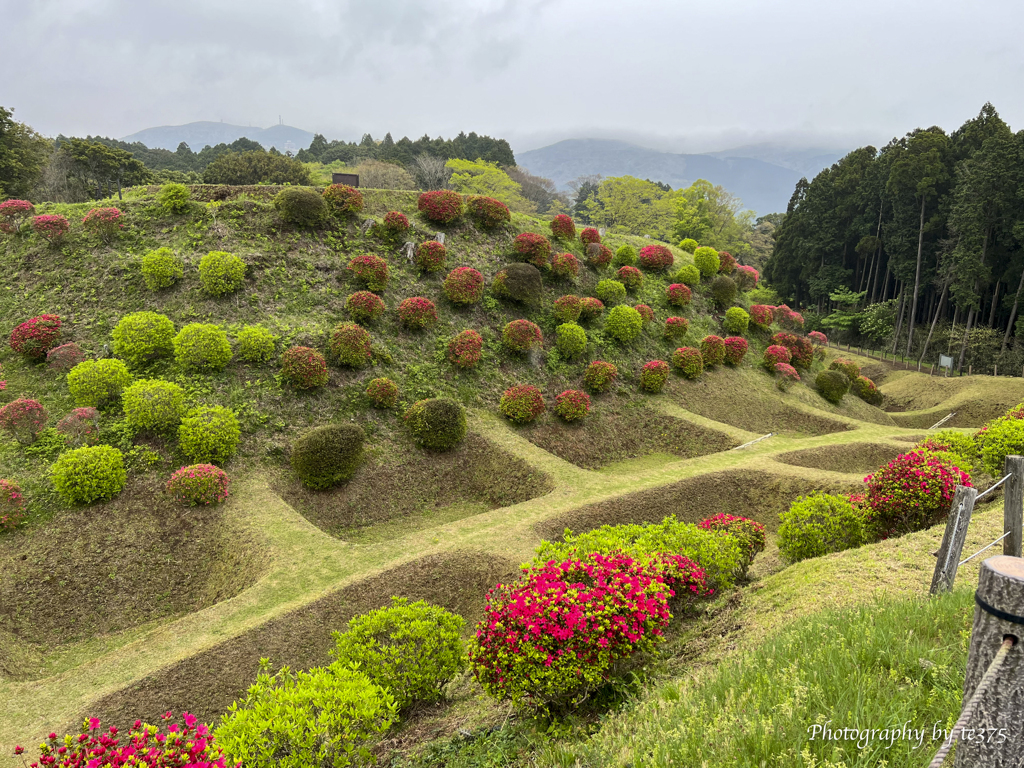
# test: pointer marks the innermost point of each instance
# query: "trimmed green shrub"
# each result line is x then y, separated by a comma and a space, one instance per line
221, 273
411, 650
961, 449
350, 345
521, 404
689, 245
301, 207
174, 198
162, 268
518, 282
88, 474
999, 439
848, 367
712, 350
255, 344
599, 376
688, 274
723, 291
748, 533
818, 524
625, 256
371, 270
624, 323
438, 423
567, 309
611, 292
326, 716
328, 455
142, 337
209, 434
832, 385
736, 321
707, 261
688, 361
653, 376
304, 368
153, 405
343, 199
521, 336
95, 382
383, 393
571, 340
202, 347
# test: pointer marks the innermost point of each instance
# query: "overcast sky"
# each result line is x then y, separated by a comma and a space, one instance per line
686, 75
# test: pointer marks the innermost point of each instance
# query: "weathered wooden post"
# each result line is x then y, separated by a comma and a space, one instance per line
953, 539
1013, 505
998, 614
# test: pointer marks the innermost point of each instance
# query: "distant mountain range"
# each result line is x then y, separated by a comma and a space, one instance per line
198, 135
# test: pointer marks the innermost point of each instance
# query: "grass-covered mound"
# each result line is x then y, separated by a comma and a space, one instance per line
917, 400
851, 458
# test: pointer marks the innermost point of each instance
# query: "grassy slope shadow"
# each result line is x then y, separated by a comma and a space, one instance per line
208, 682
477, 472
119, 564
849, 458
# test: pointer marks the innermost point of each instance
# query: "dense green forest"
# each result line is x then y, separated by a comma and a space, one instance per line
917, 245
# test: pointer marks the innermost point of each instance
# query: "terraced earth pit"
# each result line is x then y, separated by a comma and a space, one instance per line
850, 458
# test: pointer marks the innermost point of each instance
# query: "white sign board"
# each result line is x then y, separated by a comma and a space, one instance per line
945, 362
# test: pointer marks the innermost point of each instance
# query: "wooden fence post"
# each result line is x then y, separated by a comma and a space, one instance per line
1001, 589
1013, 505
952, 546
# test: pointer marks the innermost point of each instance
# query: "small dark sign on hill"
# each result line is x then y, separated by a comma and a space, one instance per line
352, 179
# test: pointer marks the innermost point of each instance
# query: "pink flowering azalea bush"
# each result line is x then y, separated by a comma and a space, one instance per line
533, 248
65, 357
631, 277
788, 318
590, 236
600, 376
51, 227
775, 355
12, 505
735, 350
911, 492
761, 316
465, 349
80, 427
565, 266
572, 405
567, 309
464, 285
521, 336
36, 336
521, 403
678, 294
817, 337
591, 308
688, 361
726, 262
645, 312
656, 258
488, 212
430, 256
442, 206
676, 328
365, 306
105, 222
370, 269
599, 255
564, 227
799, 347
199, 484
14, 213
746, 277
394, 225
749, 533
787, 376
417, 312
653, 376
712, 350
24, 419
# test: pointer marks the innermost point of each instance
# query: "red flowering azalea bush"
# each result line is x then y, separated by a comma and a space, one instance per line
590, 236
343, 199
656, 258
688, 361
712, 350
653, 376
676, 328
817, 337
464, 285
749, 533
533, 248
521, 336
799, 347
441, 205
488, 212
911, 492
599, 256
465, 349
746, 277
521, 404
24, 419
572, 405
775, 355
787, 374
847, 367
788, 318
564, 629
761, 316
417, 312
567, 309
383, 393
51, 227
36, 336
14, 213
678, 295
565, 266
80, 427
371, 270
303, 368
430, 256
105, 222
65, 357
646, 313
726, 262
590, 308
867, 390
564, 227
599, 376
631, 277
12, 505
364, 306
394, 225
199, 484
735, 350
350, 345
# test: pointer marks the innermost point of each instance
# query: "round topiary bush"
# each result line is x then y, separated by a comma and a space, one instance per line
464, 286
818, 338
572, 405
787, 376
712, 350
174, 198
80, 427
304, 368
688, 361
209, 434
775, 355
847, 367
646, 313
676, 328
865, 389
818, 524
431, 256
571, 340
689, 245
590, 236
88, 474
202, 347
199, 485
788, 318
95, 382
300, 207
599, 256
65, 357
761, 316
727, 263
24, 419
565, 266
736, 321
521, 404
911, 492
410, 650
370, 270
631, 277
518, 282
567, 309
678, 295
343, 200
438, 423
688, 274
1000, 438
441, 206
328, 455
832, 385
625, 256
656, 258
12, 505
735, 350
36, 336
799, 347
746, 277
960, 450
707, 261
255, 344
749, 534
624, 324
723, 291
152, 405
350, 345
564, 227
465, 349
590, 308
532, 248
393, 226
611, 292
162, 268
142, 337
521, 336
417, 312
599, 376
221, 273
653, 376
488, 212
383, 393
